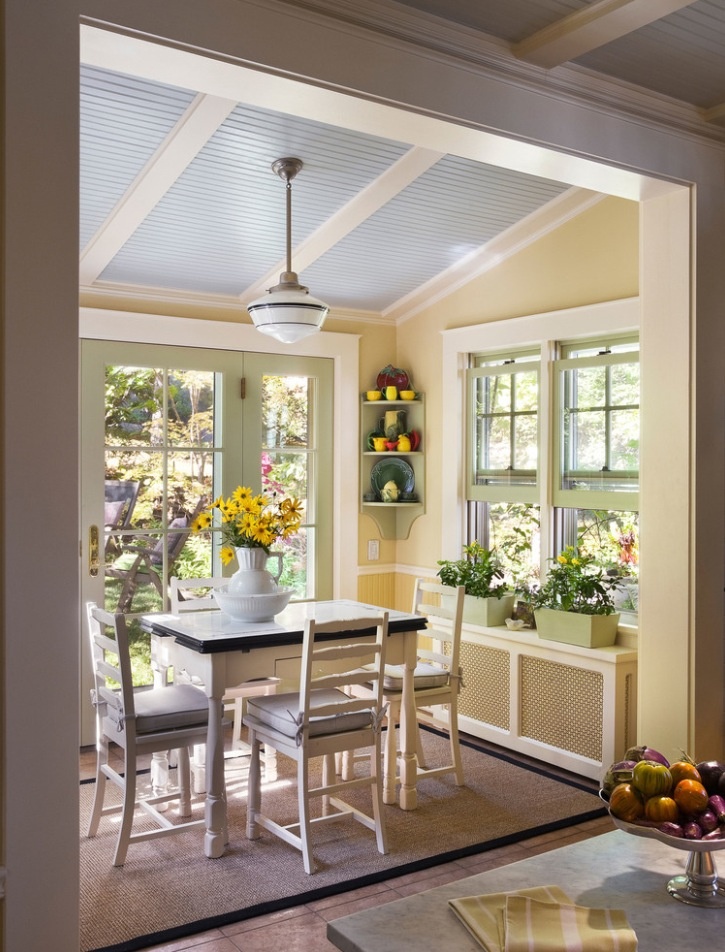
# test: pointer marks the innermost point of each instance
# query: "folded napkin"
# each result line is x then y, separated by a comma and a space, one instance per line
484, 916
543, 919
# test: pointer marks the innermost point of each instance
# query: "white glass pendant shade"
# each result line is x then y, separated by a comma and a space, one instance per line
288, 311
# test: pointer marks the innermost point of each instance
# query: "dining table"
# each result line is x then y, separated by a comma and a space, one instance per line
218, 652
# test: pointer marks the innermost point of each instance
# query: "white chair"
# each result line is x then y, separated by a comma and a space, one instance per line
437, 680
141, 721
320, 721
235, 697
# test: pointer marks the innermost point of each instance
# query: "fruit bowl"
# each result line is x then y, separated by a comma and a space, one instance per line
252, 607
699, 886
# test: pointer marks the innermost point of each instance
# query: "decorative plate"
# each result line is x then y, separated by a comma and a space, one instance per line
393, 377
398, 470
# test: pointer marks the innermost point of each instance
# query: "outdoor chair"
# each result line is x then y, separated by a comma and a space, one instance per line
235, 697
437, 680
140, 721
143, 565
120, 498
320, 721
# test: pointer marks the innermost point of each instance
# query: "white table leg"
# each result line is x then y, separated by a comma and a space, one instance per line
215, 808
408, 729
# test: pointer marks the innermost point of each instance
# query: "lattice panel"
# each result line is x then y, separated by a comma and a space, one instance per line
486, 678
562, 706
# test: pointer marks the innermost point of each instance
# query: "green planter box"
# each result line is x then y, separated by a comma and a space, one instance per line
488, 612
587, 631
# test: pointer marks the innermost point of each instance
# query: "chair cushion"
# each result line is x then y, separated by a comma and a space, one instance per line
281, 712
168, 708
424, 676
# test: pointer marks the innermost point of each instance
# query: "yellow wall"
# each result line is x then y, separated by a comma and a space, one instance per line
591, 259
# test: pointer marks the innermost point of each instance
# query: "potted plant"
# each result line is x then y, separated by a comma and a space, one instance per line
488, 599
576, 602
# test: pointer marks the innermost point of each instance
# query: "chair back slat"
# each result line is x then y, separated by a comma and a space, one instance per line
178, 586
357, 650
442, 605
101, 622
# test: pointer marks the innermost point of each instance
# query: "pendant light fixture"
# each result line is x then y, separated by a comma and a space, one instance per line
288, 311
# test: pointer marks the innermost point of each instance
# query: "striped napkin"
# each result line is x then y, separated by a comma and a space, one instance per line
543, 919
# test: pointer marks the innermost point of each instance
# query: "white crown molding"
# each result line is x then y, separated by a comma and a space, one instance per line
495, 58
173, 301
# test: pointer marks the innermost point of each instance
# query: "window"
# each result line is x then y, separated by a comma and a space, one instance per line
597, 431
503, 409
582, 484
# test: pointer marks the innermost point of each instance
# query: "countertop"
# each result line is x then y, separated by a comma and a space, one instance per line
614, 870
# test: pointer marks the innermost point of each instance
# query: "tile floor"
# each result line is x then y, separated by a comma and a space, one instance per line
304, 928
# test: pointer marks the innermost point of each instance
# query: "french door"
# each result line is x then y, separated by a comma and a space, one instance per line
164, 432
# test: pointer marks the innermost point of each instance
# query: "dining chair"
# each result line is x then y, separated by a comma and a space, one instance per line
140, 721
321, 720
202, 599
436, 681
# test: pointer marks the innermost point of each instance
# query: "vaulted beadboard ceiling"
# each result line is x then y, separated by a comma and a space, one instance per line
179, 203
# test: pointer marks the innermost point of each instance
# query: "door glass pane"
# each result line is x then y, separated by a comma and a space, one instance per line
286, 460
159, 436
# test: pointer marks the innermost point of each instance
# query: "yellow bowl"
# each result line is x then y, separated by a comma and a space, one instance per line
373, 395
407, 394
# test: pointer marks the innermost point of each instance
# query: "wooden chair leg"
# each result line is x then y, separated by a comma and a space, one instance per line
129, 804
97, 810
420, 753
376, 792
253, 787
184, 781
390, 756
303, 797
455, 742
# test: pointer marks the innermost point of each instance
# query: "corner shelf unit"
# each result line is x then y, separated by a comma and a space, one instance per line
393, 519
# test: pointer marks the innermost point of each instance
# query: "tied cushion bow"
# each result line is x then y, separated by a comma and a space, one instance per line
378, 718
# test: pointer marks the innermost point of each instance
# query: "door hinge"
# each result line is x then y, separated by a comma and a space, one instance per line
243, 388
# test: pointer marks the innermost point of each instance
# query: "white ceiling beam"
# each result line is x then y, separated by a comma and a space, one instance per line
174, 155
372, 198
592, 27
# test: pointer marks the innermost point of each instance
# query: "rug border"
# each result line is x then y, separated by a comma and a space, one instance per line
336, 889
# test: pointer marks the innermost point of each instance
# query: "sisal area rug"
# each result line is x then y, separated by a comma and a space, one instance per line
168, 888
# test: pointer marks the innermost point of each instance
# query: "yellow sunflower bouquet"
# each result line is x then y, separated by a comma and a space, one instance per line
251, 521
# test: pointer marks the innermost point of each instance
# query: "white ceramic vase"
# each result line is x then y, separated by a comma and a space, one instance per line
253, 577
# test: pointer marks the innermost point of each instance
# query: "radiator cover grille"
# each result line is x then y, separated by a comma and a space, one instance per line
562, 706
486, 679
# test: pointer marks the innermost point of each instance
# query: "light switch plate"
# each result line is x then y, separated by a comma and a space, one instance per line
373, 550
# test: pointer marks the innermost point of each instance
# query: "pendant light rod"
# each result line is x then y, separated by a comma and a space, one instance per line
287, 169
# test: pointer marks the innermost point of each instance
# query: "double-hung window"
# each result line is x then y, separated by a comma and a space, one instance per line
577, 470
503, 458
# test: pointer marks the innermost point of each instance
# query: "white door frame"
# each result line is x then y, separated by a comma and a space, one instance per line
343, 349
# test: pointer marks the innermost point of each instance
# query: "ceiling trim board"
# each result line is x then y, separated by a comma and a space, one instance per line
591, 27
494, 58
515, 239
182, 145
371, 199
